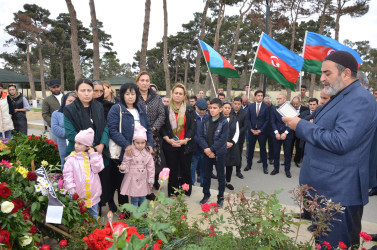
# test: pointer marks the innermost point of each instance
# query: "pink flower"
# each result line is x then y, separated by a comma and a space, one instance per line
118, 229
186, 187
110, 215
60, 184
5, 163
342, 245
213, 204
318, 246
326, 244
183, 217
365, 236
216, 210
164, 174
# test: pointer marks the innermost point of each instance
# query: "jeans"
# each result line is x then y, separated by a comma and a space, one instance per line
94, 211
137, 201
197, 159
7, 134
219, 163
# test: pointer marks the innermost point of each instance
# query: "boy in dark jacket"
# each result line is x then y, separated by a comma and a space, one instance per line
213, 136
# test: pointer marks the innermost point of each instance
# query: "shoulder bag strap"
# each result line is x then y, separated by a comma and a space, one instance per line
120, 121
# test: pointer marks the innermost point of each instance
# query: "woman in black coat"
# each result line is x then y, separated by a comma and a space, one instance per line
178, 134
232, 154
21, 106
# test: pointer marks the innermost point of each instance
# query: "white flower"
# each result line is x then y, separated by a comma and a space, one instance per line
7, 207
26, 241
44, 192
46, 185
38, 188
40, 179
63, 191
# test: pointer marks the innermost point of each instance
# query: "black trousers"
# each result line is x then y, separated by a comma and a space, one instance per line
242, 142
179, 164
115, 179
228, 173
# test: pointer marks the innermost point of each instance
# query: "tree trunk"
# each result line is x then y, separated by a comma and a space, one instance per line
74, 42
61, 66
29, 72
166, 66
96, 62
41, 68
220, 18
199, 53
176, 69
144, 41
234, 50
338, 14
187, 62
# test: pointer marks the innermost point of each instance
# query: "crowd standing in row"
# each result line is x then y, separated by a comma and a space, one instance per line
196, 133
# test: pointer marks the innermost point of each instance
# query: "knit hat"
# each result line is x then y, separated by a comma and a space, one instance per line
343, 58
201, 104
140, 133
85, 137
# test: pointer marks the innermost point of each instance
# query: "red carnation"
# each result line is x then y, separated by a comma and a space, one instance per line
206, 207
4, 236
45, 247
81, 203
342, 245
213, 204
4, 190
75, 196
31, 176
18, 203
159, 241
33, 230
365, 236
121, 216
63, 243
326, 244
82, 210
156, 247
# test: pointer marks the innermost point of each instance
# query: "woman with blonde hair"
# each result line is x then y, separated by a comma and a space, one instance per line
178, 134
109, 92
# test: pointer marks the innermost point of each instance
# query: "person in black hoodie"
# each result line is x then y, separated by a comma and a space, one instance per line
178, 134
213, 136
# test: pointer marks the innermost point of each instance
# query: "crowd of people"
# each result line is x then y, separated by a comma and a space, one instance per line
331, 139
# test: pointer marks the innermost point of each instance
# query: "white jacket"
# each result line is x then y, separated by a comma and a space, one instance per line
6, 122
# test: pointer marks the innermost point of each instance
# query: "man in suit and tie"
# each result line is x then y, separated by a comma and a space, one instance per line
283, 135
338, 144
258, 117
296, 103
313, 104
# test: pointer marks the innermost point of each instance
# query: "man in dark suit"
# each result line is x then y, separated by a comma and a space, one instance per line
283, 135
242, 123
270, 133
313, 104
296, 103
336, 161
258, 117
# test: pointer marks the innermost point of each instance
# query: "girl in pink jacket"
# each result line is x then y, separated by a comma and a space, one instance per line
81, 170
139, 169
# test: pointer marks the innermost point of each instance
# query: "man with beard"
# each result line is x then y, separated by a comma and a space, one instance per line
338, 145
52, 103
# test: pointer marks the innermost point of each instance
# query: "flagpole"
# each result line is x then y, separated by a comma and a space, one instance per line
252, 69
303, 53
209, 72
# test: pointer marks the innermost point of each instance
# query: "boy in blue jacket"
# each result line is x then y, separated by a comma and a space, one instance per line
213, 136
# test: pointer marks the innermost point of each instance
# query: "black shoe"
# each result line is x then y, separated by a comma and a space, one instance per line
304, 216
205, 199
151, 197
113, 207
271, 162
213, 176
288, 174
220, 202
259, 161
229, 186
239, 175
247, 168
312, 228
265, 171
274, 172
374, 237
297, 164
372, 192
283, 164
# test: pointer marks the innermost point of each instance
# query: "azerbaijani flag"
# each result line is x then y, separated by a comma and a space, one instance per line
277, 62
217, 63
317, 47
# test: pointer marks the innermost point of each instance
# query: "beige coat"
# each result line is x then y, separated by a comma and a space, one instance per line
6, 122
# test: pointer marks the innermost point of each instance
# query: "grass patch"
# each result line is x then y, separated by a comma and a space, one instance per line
36, 109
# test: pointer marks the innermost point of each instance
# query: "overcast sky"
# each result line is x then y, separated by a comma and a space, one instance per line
124, 19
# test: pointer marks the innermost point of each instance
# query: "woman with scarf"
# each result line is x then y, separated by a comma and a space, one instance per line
154, 107
21, 106
57, 125
133, 115
86, 113
178, 134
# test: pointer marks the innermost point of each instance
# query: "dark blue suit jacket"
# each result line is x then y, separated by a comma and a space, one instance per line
338, 143
277, 123
263, 118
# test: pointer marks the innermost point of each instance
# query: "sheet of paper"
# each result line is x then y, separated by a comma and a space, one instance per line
287, 110
54, 214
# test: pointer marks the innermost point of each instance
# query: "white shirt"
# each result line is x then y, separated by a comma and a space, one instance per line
59, 97
136, 116
237, 134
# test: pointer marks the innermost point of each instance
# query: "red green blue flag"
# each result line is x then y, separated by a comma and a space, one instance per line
217, 64
317, 47
277, 62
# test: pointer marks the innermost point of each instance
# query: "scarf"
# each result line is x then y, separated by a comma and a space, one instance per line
15, 95
63, 103
177, 123
80, 119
